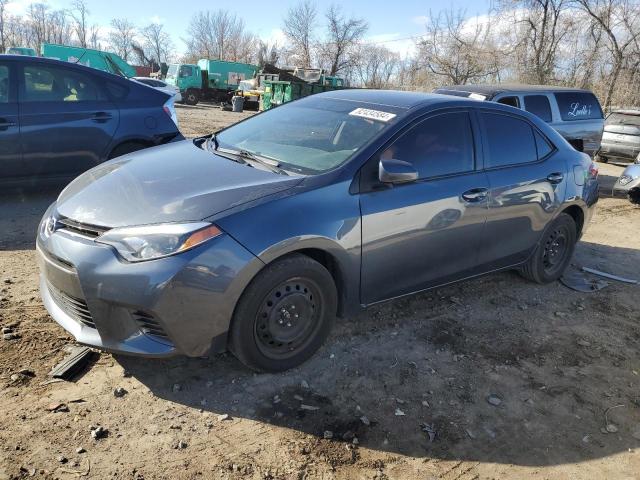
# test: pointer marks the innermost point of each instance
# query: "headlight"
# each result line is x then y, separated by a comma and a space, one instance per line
148, 242
625, 179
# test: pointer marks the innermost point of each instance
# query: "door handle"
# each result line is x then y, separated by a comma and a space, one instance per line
102, 116
475, 195
555, 177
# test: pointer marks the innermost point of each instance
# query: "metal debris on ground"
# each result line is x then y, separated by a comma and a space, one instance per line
494, 400
430, 430
399, 413
73, 364
99, 432
576, 280
119, 392
310, 408
609, 275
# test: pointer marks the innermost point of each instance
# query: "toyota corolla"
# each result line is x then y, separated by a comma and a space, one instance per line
255, 239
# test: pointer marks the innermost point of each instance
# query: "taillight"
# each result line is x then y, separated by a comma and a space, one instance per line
593, 170
170, 110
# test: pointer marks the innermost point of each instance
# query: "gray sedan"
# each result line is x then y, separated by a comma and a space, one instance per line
257, 238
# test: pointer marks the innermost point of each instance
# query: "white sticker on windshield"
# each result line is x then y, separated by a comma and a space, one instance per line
373, 114
477, 96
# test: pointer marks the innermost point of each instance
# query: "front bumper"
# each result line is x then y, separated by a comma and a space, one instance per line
181, 304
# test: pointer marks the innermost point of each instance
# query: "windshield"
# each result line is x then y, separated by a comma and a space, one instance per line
309, 136
173, 69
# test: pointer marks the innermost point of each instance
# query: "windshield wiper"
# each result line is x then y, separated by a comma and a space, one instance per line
271, 164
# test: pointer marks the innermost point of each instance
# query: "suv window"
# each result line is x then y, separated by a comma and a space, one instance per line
509, 140
538, 105
578, 106
439, 145
54, 84
4, 84
511, 101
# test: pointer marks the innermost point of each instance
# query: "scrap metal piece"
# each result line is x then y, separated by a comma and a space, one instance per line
609, 275
74, 363
577, 281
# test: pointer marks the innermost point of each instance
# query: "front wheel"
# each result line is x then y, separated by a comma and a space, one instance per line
553, 254
191, 97
284, 315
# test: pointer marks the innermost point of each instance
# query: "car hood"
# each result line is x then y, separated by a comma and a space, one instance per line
172, 183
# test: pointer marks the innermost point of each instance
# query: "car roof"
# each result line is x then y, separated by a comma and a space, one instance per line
54, 61
627, 112
489, 90
394, 98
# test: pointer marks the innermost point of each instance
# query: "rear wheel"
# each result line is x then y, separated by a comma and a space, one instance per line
191, 97
284, 315
554, 252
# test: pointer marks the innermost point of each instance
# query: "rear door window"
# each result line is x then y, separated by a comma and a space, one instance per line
538, 105
508, 140
55, 84
578, 106
4, 84
439, 145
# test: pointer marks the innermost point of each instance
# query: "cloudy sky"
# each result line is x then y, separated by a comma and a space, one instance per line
390, 23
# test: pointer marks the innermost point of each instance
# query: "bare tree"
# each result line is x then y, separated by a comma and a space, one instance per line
456, 51
376, 66
219, 35
122, 36
267, 54
542, 27
80, 13
3, 25
299, 27
344, 35
157, 42
619, 20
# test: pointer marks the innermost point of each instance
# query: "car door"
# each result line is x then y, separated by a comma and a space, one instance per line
527, 183
10, 151
67, 120
427, 232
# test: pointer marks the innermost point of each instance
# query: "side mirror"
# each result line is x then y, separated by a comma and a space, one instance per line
396, 171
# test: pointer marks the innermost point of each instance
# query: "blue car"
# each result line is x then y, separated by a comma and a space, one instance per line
59, 119
261, 235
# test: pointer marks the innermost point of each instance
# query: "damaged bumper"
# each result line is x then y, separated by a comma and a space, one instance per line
181, 304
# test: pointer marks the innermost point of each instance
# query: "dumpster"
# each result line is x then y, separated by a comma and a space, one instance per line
279, 92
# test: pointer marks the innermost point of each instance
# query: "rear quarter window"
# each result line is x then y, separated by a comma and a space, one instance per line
117, 91
578, 106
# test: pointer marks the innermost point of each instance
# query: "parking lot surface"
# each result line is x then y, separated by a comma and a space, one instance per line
492, 378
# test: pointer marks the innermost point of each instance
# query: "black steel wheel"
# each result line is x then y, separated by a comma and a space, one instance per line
288, 317
284, 315
553, 254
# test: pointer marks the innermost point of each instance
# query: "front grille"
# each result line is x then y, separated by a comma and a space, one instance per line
76, 308
84, 229
149, 325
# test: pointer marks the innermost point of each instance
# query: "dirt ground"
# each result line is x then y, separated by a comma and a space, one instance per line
493, 378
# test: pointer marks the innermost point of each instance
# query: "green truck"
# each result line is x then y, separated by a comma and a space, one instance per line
106, 61
214, 80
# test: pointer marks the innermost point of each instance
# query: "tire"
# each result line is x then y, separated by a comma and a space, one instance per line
601, 159
127, 147
553, 254
284, 315
191, 97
